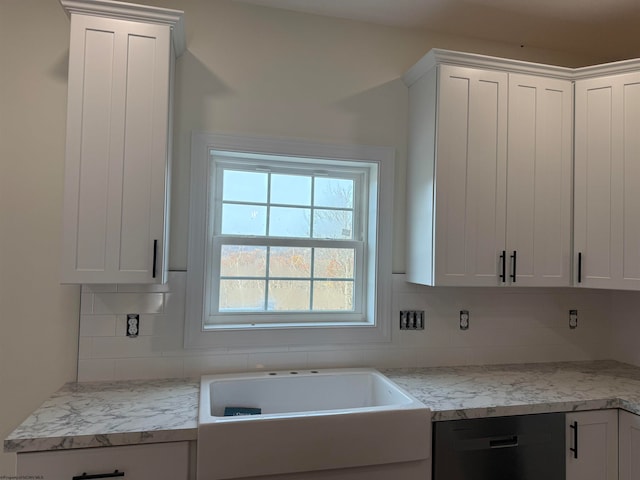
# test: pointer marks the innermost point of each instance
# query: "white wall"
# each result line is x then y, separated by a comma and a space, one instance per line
247, 70
625, 327
38, 317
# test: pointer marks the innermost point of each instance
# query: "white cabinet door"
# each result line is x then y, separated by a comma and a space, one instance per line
592, 445
470, 173
539, 195
607, 174
117, 160
489, 179
629, 445
160, 461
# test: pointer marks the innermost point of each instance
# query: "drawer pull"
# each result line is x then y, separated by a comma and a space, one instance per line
574, 427
84, 476
155, 257
503, 260
506, 442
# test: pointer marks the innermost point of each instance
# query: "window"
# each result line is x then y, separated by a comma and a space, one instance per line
287, 243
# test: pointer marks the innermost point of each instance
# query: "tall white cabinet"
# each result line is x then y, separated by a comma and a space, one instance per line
470, 168
607, 175
117, 165
489, 172
539, 179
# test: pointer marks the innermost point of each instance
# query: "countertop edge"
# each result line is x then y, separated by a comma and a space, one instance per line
532, 409
93, 441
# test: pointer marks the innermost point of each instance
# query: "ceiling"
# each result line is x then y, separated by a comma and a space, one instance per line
603, 28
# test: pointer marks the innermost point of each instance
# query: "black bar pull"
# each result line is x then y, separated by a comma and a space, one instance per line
505, 442
155, 257
574, 426
503, 259
513, 263
579, 267
84, 476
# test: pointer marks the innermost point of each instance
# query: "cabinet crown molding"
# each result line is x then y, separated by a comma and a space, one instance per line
438, 56
132, 12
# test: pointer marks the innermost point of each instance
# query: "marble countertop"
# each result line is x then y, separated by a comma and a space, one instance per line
98, 414
102, 414
497, 390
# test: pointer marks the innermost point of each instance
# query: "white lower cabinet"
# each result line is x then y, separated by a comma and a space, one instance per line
592, 445
159, 461
629, 446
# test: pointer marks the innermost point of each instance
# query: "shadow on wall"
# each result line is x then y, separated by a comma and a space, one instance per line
380, 113
195, 87
195, 84
380, 116
59, 69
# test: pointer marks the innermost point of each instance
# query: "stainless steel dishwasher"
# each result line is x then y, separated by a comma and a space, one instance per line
521, 447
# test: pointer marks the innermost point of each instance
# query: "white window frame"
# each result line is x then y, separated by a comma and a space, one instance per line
372, 327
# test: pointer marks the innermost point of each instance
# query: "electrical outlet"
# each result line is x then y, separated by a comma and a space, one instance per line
573, 319
133, 324
464, 319
411, 319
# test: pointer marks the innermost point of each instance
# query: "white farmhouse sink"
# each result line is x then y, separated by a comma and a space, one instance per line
310, 420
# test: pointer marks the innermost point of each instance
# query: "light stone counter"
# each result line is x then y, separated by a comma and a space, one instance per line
102, 414
520, 389
122, 413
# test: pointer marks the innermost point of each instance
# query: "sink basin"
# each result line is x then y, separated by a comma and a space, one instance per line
309, 420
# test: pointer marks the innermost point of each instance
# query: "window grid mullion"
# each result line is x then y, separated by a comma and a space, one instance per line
311, 278
266, 280
313, 249
268, 203
313, 205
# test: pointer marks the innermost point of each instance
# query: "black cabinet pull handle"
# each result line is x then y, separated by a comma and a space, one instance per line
505, 442
514, 258
574, 426
84, 476
155, 257
503, 259
579, 267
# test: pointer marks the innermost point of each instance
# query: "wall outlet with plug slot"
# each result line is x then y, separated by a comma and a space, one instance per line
573, 319
133, 324
464, 319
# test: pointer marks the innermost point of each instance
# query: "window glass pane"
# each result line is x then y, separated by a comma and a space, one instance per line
243, 261
333, 296
334, 263
244, 186
289, 222
333, 192
336, 224
290, 262
289, 295
244, 220
242, 295
291, 189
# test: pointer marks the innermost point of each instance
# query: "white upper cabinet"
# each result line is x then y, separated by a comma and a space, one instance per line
489, 174
117, 162
607, 175
539, 181
470, 169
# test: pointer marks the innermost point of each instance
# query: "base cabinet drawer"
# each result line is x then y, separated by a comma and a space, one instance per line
158, 461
